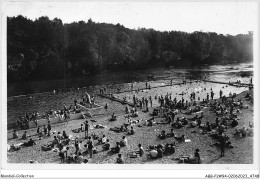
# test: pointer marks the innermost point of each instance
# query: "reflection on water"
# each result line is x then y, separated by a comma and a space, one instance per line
224, 73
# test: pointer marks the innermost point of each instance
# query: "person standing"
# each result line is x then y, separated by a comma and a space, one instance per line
212, 95
197, 155
49, 128
141, 150
19, 122
76, 145
222, 144
151, 102
220, 93
63, 154
45, 130
90, 146
146, 102
86, 128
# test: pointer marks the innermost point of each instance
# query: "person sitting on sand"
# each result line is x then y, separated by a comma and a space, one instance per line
15, 135
55, 141
106, 146
106, 106
193, 124
80, 158
29, 143
196, 157
160, 151
180, 139
119, 159
248, 96
140, 150
207, 127
178, 124
162, 135
131, 132
102, 140
172, 149
121, 129
64, 135
116, 149
113, 117
243, 131
134, 113
81, 128
192, 160
24, 136
123, 142
167, 149
155, 112
250, 130
171, 134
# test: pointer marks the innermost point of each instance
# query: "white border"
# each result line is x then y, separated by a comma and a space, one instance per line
150, 170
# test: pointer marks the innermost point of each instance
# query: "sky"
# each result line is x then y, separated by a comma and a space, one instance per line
222, 17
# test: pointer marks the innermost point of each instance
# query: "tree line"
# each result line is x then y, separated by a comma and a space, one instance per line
47, 49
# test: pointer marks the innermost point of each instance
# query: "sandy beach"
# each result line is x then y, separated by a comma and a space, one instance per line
242, 153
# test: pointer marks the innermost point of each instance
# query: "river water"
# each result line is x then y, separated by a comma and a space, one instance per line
223, 73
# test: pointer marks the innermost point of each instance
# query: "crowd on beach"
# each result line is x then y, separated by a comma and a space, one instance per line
64, 114
190, 114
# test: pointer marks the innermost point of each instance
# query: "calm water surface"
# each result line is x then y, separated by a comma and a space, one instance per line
224, 73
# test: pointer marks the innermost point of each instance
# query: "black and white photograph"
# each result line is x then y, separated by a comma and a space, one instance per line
133, 83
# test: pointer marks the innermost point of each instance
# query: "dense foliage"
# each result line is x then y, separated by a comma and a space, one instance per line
45, 49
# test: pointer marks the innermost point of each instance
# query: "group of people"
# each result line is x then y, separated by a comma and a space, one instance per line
169, 108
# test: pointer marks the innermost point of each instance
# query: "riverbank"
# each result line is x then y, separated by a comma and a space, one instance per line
242, 153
